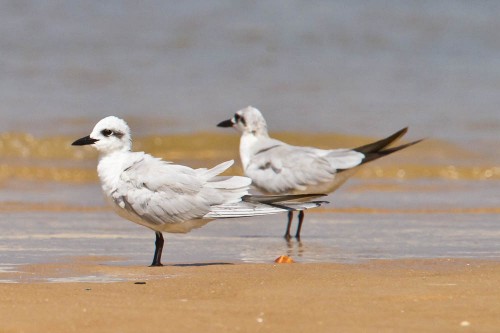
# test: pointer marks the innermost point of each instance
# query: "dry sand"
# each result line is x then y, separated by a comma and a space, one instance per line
436, 295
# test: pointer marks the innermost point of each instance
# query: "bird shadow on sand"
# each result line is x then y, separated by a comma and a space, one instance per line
201, 264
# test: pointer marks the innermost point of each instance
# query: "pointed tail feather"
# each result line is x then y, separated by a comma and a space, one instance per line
298, 206
254, 207
381, 144
377, 154
216, 170
269, 199
375, 150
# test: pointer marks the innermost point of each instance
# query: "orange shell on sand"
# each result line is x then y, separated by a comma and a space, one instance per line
283, 260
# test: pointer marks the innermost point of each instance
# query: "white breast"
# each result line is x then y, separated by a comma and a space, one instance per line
247, 143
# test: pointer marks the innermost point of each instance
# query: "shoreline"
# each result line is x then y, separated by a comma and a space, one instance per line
431, 295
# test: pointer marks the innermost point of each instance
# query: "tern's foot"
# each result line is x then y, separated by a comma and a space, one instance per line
159, 264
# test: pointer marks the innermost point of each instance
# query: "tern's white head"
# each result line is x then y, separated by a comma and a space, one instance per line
109, 135
248, 121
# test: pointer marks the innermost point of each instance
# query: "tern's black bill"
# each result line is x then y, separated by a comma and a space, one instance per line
226, 123
84, 141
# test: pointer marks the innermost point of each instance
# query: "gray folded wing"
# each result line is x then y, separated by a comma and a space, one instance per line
159, 192
285, 168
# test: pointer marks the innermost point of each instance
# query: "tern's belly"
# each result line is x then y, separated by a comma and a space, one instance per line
170, 227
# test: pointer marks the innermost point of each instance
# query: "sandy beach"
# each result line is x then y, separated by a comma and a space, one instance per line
438, 295
410, 244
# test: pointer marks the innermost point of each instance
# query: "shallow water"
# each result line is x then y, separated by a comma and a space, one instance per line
327, 237
368, 219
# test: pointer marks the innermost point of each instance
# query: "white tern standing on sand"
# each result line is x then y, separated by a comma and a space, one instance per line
167, 197
279, 168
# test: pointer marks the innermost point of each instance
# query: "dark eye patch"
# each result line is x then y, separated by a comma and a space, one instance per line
106, 132
239, 118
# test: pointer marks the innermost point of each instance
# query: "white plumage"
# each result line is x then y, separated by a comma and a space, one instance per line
167, 197
276, 167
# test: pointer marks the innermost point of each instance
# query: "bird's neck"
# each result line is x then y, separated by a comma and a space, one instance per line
247, 143
109, 168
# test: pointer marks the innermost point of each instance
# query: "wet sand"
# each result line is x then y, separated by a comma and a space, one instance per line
434, 295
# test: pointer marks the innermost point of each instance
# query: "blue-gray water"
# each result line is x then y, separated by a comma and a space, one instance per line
332, 66
357, 67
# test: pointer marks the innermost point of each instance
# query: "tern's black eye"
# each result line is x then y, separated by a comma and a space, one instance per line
106, 132
239, 118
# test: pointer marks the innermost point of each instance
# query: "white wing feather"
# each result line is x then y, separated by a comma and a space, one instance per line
159, 192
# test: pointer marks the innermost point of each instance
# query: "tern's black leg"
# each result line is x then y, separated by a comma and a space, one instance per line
299, 227
287, 232
158, 249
